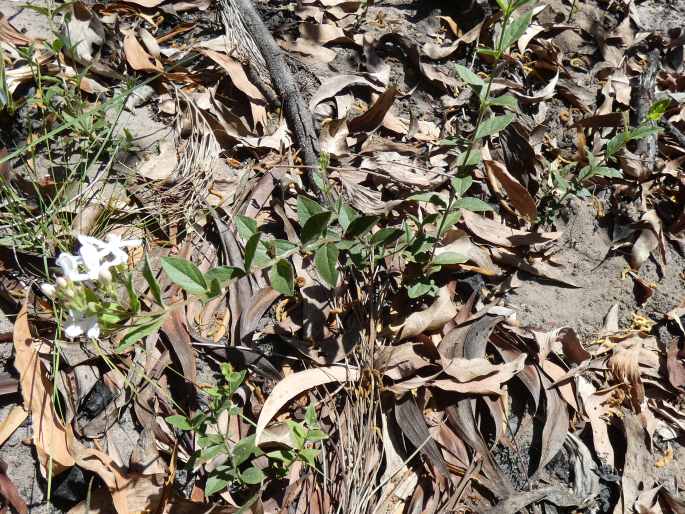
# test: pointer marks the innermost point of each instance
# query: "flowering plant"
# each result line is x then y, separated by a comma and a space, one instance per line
90, 283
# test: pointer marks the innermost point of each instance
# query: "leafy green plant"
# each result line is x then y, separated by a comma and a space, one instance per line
234, 459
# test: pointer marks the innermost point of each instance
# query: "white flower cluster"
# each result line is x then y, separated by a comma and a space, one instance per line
92, 266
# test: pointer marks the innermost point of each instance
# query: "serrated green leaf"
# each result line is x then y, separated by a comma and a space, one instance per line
472, 204
493, 125
180, 422
214, 485
281, 277
252, 476
139, 332
326, 261
361, 225
642, 132
306, 208
461, 185
184, 274
467, 76
152, 282
315, 226
250, 251
447, 258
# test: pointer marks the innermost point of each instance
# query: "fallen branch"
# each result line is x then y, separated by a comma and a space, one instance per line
246, 31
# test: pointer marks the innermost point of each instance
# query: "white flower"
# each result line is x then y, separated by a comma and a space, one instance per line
93, 252
48, 290
70, 267
77, 325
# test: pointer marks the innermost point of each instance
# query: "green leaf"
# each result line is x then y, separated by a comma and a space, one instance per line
315, 226
316, 435
223, 274
472, 204
243, 449
386, 236
132, 295
467, 76
433, 198
251, 251
252, 476
508, 101
615, 144
310, 416
520, 3
139, 332
361, 225
152, 282
461, 185
490, 52
309, 456
503, 4
516, 29
642, 132
493, 125
280, 246
282, 277
447, 258
474, 158
306, 208
346, 216
450, 219
420, 289
247, 227
605, 171
180, 422
214, 288
326, 260
297, 434
214, 485
658, 109
184, 274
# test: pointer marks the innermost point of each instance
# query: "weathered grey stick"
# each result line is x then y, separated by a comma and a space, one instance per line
643, 101
268, 60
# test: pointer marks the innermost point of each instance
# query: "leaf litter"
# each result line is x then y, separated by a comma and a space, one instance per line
440, 372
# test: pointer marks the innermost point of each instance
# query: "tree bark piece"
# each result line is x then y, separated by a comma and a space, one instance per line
246, 33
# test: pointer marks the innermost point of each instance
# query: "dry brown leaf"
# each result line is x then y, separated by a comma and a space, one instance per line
373, 118
49, 436
297, 383
457, 241
10, 35
478, 376
518, 195
501, 235
624, 363
338, 83
15, 417
235, 72
433, 318
85, 30
162, 166
650, 239
333, 137
307, 47
137, 57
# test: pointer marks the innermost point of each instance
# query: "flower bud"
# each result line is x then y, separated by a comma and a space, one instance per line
48, 290
61, 282
105, 275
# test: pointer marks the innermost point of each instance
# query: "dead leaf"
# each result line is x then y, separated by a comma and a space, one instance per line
85, 31
501, 235
518, 195
15, 417
49, 436
162, 166
297, 383
373, 118
433, 318
235, 72
650, 239
137, 57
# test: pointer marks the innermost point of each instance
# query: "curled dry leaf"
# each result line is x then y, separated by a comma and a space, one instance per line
373, 118
163, 165
434, 317
478, 376
85, 31
501, 235
457, 241
49, 436
297, 383
15, 417
520, 198
650, 239
137, 57
624, 363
